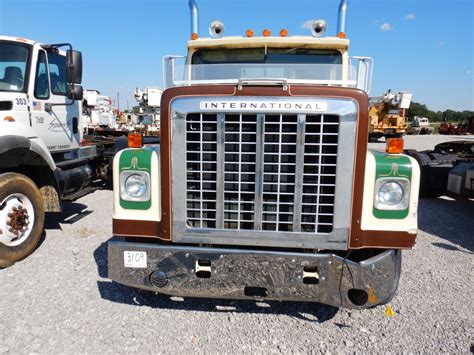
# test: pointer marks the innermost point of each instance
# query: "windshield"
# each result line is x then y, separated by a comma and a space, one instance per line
288, 63
13, 64
270, 56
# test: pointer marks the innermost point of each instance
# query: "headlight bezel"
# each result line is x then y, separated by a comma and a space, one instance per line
124, 194
404, 202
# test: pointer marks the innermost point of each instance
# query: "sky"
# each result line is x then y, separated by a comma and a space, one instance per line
422, 46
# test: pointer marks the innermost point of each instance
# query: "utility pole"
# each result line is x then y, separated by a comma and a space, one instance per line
118, 102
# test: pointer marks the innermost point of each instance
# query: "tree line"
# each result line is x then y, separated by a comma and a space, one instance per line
417, 109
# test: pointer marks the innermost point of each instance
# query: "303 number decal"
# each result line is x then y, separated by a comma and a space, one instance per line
21, 101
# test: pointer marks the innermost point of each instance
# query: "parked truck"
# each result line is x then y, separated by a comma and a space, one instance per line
420, 126
97, 111
387, 115
149, 111
44, 157
262, 186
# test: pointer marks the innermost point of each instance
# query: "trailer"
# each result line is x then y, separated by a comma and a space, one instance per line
448, 168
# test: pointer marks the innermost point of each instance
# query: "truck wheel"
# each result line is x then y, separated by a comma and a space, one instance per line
21, 217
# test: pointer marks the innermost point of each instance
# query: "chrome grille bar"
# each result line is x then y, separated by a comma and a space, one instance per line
259, 168
220, 167
299, 173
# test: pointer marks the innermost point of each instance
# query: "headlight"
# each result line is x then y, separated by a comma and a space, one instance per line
392, 194
134, 186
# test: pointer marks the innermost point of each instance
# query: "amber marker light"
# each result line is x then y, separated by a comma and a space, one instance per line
249, 33
283, 33
266, 32
194, 36
394, 145
135, 140
341, 35
9, 119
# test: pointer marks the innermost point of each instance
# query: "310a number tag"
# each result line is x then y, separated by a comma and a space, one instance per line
136, 259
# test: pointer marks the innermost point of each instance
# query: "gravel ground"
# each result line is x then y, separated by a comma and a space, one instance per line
60, 300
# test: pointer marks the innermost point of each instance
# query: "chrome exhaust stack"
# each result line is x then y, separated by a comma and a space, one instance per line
194, 18
341, 18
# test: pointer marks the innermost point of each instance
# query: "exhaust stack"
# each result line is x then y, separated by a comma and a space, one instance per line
341, 18
194, 18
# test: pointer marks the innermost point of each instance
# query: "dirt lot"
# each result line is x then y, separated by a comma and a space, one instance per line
60, 300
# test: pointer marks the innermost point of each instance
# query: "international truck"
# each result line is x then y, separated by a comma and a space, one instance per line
262, 186
44, 157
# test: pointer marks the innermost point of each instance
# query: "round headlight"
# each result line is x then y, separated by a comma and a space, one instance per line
391, 193
136, 185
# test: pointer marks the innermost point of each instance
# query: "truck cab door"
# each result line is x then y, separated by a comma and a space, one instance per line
55, 122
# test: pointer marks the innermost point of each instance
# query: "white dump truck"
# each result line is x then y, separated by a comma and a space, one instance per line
44, 157
262, 186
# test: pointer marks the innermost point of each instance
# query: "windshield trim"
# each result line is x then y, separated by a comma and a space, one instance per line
27, 67
265, 55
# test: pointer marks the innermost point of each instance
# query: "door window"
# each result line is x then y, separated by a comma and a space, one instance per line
42, 79
57, 72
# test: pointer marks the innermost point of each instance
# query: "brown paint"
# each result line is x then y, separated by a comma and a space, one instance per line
358, 238
136, 228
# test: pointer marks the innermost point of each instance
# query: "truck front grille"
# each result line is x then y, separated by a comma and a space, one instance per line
266, 172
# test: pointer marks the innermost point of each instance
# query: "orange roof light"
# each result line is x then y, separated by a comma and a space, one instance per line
266, 32
194, 36
9, 119
341, 35
249, 33
283, 33
394, 145
135, 140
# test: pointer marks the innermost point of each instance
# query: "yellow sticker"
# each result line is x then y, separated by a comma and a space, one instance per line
389, 312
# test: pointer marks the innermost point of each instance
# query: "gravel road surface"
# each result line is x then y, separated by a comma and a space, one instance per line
60, 300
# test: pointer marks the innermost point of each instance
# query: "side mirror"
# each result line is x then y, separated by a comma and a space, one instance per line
74, 66
75, 92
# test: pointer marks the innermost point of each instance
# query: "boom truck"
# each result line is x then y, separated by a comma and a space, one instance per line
387, 115
149, 110
97, 111
262, 186
44, 157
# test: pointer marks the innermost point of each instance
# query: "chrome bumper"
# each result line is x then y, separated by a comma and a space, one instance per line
254, 274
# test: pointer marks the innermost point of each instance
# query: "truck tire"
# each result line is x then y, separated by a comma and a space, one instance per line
21, 217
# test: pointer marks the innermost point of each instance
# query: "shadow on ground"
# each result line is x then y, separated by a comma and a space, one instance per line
114, 292
449, 218
72, 212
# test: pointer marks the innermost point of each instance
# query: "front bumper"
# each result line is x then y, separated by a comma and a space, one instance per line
253, 274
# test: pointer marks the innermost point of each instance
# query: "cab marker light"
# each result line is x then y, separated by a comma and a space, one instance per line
266, 32
283, 32
394, 145
249, 33
135, 140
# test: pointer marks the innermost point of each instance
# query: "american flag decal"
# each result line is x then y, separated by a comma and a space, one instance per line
36, 106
